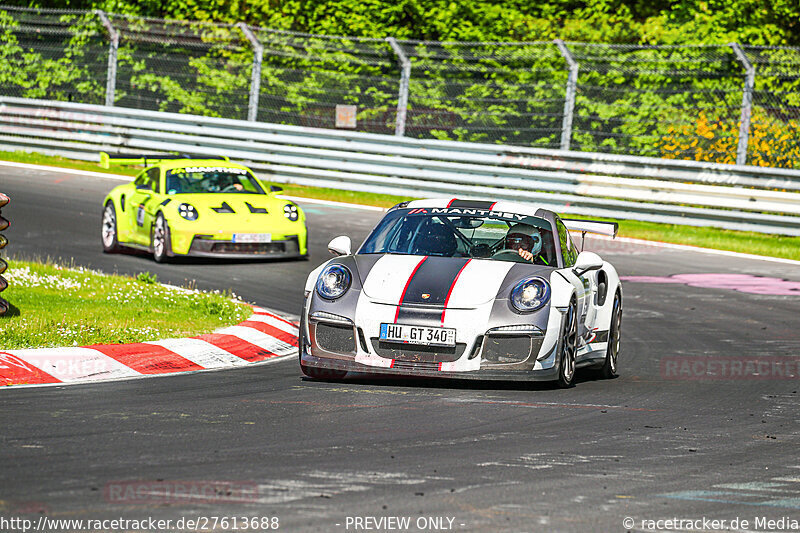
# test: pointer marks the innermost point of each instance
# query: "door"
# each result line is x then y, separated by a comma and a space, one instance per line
583, 284
141, 205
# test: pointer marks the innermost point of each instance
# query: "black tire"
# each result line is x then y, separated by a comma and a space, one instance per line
160, 240
323, 373
569, 345
108, 229
609, 369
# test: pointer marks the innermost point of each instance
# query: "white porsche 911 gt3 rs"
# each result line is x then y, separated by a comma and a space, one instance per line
464, 289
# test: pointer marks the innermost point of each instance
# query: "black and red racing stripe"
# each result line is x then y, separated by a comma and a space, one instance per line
428, 289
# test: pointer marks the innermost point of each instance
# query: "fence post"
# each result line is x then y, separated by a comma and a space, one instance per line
113, 45
569, 98
255, 78
402, 97
747, 103
3, 265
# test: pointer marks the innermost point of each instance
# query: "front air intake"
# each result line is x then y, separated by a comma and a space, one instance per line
335, 338
224, 208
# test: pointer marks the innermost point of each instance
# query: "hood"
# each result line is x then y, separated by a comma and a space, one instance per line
238, 203
452, 282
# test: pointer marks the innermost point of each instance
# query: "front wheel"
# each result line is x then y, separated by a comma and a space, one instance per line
569, 345
108, 229
609, 369
161, 240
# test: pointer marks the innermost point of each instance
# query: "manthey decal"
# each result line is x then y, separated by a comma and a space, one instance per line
463, 211
746, 283
192, 170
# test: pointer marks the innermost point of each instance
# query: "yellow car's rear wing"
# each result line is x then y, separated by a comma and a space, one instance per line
153, 159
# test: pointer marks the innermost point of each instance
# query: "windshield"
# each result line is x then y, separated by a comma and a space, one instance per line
193, 180
448, 232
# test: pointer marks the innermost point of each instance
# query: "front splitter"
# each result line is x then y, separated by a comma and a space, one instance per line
548, 374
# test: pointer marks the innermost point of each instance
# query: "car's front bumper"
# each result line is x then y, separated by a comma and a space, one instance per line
222, 248
418, 370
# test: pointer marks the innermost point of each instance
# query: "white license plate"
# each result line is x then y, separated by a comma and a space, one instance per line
418, 335
252, 237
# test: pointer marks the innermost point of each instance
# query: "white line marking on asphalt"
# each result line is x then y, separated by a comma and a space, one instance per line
688, 248
331, 203
88, 173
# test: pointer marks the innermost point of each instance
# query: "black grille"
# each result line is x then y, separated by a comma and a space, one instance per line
416, 353
202, 244
509, 348
249, 247
415, 366
335, 338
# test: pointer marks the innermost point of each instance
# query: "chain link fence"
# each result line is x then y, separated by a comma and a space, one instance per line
720, 103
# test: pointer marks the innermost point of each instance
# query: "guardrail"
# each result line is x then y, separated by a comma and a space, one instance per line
3, 242
602, 185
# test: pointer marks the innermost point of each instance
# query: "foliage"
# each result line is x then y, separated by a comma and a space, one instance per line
31, 67
632, 97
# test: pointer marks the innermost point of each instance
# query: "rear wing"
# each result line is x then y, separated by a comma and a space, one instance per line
128, 159
591, 226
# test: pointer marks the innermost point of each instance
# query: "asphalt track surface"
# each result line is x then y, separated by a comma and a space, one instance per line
652, 444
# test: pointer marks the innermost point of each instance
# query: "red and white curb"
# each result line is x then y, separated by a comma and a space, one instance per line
264, 336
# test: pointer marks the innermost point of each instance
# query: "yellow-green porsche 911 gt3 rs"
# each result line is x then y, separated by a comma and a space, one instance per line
211, 207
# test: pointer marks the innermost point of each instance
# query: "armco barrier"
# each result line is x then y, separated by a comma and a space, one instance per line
3, 242
625, 187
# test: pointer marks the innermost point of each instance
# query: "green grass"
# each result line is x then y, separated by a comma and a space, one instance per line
340, 195
735, 241
55, 305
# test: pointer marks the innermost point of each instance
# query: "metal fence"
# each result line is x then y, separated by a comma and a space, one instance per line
618, 186
720, 103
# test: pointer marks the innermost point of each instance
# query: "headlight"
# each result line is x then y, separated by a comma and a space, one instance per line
333, 282
530, 294
187, 211
290, 211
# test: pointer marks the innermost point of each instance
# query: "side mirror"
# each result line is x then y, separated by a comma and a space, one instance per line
340, 245
586, 262
275, 188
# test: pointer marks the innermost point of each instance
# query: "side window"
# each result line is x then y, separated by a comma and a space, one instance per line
141, 179
153, 174
568, 251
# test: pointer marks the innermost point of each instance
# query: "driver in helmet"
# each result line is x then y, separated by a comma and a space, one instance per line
526, 240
